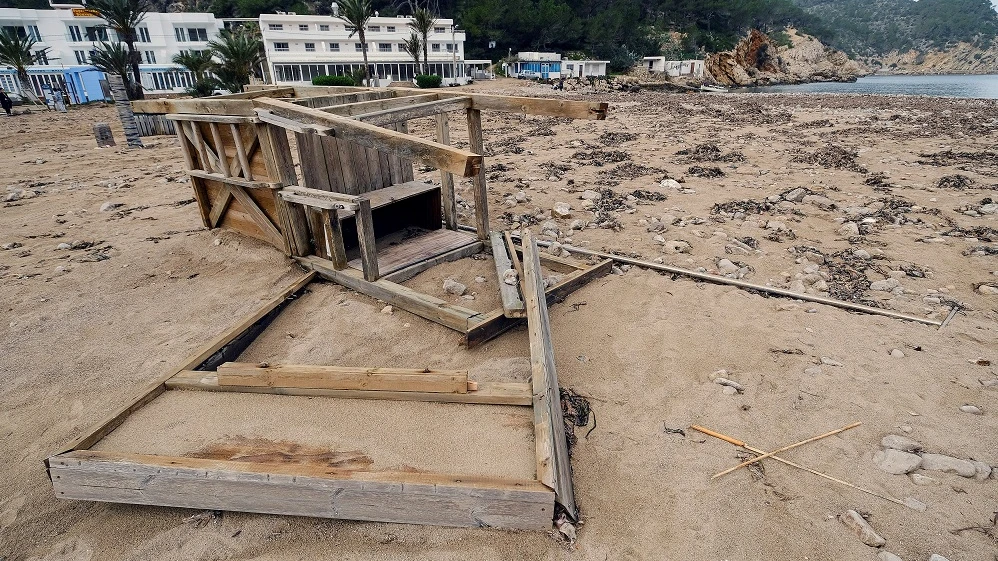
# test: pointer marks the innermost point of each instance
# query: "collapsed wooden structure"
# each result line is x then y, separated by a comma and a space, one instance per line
355, 216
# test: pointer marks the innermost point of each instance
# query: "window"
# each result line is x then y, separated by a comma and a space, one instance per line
450, 47
323, 27
359, 47
334, 47
33, 33
435, 47
197, 34
275, 26
281, 47
374, 28
302, 27
144, 35
41, 57
390, 29
384, 47
81, 57
439, 29
150, 57
178, 32
96, 33
310, 47
74, 33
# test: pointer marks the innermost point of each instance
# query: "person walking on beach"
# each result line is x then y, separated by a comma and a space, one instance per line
5, 101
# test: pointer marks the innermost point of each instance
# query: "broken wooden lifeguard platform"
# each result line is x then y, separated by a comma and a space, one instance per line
355, 216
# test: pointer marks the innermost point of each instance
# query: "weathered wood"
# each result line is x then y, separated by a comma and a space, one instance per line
446, 177
125, 111
407, 173
513, 256
366, 241
197, 139
302, 490
434, 309
417, 111
334, 238
276, 152
512, 302
349, 109
419, 249
480, 190
233, 180
461, 162
150, 392
219, 205
200, 193
291, 124
547, 107
312, 157
241, 157
276, 91
488, 393
557, 263
224, 119
343, 377
554, 467
216, 137
492, 324
199, 106
406, 273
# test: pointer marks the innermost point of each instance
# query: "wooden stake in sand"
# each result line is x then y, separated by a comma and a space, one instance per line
742, 444
785, 448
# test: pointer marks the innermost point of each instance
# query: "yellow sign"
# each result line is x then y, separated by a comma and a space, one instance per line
85, 13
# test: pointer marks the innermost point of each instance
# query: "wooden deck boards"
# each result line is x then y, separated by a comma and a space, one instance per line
395, 257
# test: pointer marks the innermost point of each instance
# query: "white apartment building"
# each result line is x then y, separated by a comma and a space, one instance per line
71, 33
300, 48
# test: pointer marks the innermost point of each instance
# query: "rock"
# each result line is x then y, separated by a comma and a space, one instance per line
885, 285
896, 462
108, 206
795, 195
849, 229
520, 196
937, 557
991, 208
923, 480
915, 504
987, 289
888, 556
726, 267
777, 226
479, 279
670, 184
451, 286
11, 197
972, 409
64, 246
902, 443
855, 522
983, 470
11, 245
861, 254
948, 464
897, 353
510, 277
830, 362
577, 225
387, 310
562, 210
590, 195
813, 371
677, 246
729, 384
728, 390
616, 270
820, 286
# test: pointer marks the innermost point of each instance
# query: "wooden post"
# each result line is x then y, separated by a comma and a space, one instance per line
446, 177
276, 154
334, 239
365, 237
481, 192
241, 152
124, 111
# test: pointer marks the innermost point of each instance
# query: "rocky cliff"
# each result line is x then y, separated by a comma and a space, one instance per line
963, 58
759, 61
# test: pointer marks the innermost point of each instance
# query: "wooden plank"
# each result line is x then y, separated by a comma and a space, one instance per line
224, 119
150, 392
334, 238
330, 152
554, 466
461, 162
428, 245
480, 190
513, 256
488, 393
234, 180
302, 490
492, 324
349, 109
260, 218
291, 124
406, 273
313, 162
349, 173
446, 177
276, 152
434, 309
276, 91
361, 170
395, 162
244, 164
343, 377
416, 111
197, 139
200, 193
407, 173
512, 302
366, 240
216, 137
547, 107
199, 106
378, 180
220, 205
557, 263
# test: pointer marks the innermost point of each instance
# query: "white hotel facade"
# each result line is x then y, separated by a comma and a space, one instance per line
301, 47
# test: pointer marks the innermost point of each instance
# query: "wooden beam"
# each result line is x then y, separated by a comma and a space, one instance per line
291, 124
446, 177
434, 309
512, 302
417, 111
216, 138
302, 490
547, 107
343, 377
234, 180
241, 155
488, 393
461, 162
480, 189
407, 273
224, 119
285, 91
150, 392
333, 234
554, 467
276, 152
350, 109
557, 263
365, 239
200, 106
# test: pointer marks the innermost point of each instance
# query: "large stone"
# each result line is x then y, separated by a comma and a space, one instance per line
948, 464
561, 210
855, 522
902, 443
451, 286
849, 229
896, 462
885, 285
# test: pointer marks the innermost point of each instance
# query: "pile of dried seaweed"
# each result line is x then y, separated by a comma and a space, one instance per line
879, 182
832, 156
820, 123
575, 410
957, 181
983, 233
630, 170
508, 145
949, 158
616, 138
600, 157
705, 171
746, 206
708, 152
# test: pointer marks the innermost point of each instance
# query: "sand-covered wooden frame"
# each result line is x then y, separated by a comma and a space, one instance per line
421, 498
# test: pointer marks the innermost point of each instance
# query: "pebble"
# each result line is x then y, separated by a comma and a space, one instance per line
937, 557
983, 470
849, 229
888, 556
510, 277
64, 245
902, 443
387, 310
896, 462
590, 195
110, 206
729, 384
915, 504
830, 362
885, 285
728, 390
919, 479
451, 286
726, 267
677, 246
987, 289
855, 522
861, 254
561, 210
948, 464
897, 353
479, 279
813, 371
972, 409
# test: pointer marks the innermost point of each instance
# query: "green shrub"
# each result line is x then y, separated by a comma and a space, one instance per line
204, 87
428, 81
333, 81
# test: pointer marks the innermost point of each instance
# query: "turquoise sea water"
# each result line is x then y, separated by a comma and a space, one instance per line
971, 86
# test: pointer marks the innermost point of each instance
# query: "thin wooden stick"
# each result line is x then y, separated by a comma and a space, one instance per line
785, 448
742, 444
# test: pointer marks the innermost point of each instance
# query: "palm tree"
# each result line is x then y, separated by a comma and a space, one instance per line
124, 17
113, 58
356, 13
15, 51
422, 23
413, 46
197, 62
238, 53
